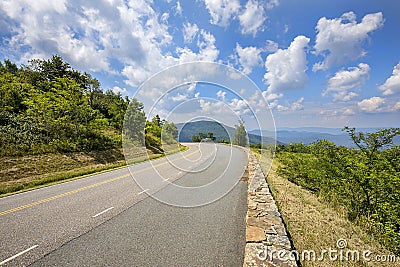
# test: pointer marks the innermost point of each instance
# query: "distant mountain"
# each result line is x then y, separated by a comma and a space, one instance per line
308, 135
220, 131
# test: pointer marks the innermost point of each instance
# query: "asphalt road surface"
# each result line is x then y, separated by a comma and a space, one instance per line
184, 210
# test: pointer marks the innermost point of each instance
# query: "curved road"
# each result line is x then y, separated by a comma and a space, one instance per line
184, 210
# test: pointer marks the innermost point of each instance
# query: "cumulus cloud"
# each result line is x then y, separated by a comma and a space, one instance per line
92, 35
295, 106
248, 57
222, 11
239, 106
252, 18
179, 97
340, 40
392, 84
271, 96
221, 94
373, 104
119, 90
346, 80
286, 68
189, 32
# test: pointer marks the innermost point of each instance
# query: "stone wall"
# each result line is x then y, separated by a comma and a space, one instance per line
267, 242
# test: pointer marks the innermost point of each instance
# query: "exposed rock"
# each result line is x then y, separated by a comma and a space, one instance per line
266, 236
254, 234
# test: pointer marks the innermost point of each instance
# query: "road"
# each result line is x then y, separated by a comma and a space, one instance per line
184, 210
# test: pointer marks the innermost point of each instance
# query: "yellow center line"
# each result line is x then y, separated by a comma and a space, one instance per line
85, 188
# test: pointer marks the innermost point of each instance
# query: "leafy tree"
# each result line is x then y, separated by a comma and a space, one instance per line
196, 138
169, 132
211, 136
240, 137
365, 180
12, 92
134, 122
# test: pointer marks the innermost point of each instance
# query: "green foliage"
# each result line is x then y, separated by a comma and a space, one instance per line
240, 137
365, 180
47, 106
204, 137
159, 133
134, 122
196, 138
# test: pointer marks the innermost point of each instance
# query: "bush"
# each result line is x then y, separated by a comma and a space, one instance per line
365, 180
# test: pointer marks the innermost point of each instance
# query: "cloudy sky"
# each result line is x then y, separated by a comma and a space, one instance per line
317, 63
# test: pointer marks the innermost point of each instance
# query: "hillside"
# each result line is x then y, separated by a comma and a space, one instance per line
221, 132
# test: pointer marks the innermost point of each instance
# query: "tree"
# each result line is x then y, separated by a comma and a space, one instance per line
211, 136
169, 131
240, 137
134, 122
196, 138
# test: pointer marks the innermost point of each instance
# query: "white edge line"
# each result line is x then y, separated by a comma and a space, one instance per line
98, 214
17, 255
143, 191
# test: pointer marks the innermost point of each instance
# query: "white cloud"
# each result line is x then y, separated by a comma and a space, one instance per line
281, 108
222, 11
286, 29
373, 104
396, 106
346, 80
211, 107
392, 84
297, 105
221, 94
272, 3
248, 57
338, 113
89, 36
191, 87
340, 40
286, 69
165, 17
207, 49
239, 106
348, 112
178, 9
179, 97
271, 46
95, 34
253, 17
273, 104
271, 96
294, 106
119, 90
189, 32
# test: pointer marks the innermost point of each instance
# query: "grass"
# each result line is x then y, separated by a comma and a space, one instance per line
315, 225
19, 174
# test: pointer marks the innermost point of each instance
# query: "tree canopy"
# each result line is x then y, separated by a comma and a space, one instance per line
240, 137
48, 106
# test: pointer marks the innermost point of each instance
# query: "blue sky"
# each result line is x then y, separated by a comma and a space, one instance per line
317, 63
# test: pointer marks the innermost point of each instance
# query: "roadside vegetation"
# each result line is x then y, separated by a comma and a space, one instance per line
50, 111
326, 192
